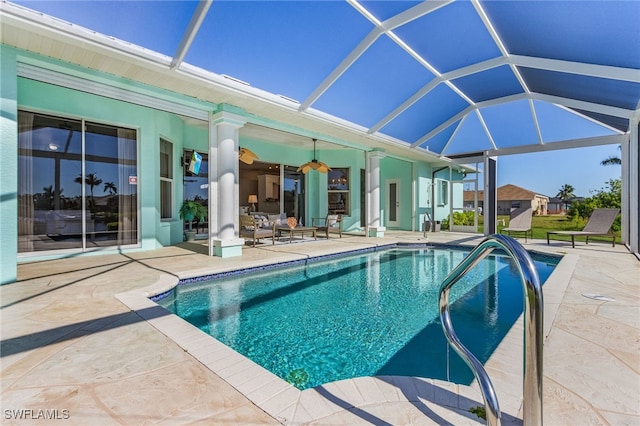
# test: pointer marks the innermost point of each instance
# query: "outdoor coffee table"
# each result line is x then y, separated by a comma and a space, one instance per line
297, 230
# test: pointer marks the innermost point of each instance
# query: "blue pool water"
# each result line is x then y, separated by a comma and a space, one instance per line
361, 315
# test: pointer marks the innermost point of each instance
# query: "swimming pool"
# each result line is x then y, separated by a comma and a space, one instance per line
364, 315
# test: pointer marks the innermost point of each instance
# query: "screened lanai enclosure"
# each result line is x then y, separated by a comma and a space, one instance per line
434, 83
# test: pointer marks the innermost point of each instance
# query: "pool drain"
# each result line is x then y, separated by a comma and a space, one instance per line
598, 297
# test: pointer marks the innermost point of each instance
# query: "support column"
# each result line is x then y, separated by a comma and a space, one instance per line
490, 195
624, 202
375, 226
224, 203
633, 188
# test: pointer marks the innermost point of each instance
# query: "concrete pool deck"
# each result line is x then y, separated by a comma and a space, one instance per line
80, 342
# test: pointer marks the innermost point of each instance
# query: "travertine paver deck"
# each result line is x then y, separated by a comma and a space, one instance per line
68, 343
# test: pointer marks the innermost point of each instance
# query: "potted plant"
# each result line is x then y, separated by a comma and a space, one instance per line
188, 212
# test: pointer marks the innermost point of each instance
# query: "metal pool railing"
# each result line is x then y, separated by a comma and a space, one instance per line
533, 328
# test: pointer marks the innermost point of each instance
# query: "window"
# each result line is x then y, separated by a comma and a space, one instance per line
166, 179
338, 191
515, 204
443, 192
77, 184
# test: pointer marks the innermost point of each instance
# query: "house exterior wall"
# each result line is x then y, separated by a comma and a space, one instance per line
8, 165
505, 206
555, 208
152, 124
540, 205
423, 194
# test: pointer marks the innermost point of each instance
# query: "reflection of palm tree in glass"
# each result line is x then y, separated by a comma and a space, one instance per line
49, 194
111, 187
92, 180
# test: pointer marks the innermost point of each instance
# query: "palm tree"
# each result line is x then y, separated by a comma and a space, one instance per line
566, 193
612, 160
111, 187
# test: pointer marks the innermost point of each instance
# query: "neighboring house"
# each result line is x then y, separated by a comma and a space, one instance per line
512, 197
558, 206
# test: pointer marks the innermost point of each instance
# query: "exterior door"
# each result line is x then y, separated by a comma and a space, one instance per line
294, 195
393, 203
77, 184
464, 202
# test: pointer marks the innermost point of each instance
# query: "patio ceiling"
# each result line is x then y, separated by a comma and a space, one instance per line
442, 77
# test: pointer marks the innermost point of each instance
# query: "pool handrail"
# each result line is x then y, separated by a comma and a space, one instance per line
533, 328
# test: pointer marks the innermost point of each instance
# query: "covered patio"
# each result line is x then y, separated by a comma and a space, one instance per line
399, 94
504, 78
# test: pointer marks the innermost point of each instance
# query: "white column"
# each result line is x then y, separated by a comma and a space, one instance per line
624, 202
224, 203
375, 226
633, 189
490, 203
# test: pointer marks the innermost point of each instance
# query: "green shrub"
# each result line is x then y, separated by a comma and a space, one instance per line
604, 198
459, 219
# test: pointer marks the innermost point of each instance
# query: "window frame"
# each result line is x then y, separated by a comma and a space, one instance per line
443, 192
166, 179
339, 191
86, 156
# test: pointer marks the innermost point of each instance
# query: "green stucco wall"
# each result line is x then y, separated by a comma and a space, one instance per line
8, 166
150, 124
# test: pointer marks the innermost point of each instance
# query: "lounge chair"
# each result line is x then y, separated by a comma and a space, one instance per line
253, 229
520, 222
599, 224
329, 224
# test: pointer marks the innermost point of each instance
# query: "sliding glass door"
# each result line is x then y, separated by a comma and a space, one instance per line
77, 189
294, 195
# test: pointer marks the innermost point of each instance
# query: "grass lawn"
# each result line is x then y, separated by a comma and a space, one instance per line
541, 224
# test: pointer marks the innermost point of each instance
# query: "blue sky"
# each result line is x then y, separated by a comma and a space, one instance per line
544, 172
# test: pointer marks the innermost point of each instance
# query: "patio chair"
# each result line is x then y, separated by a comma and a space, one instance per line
599, 224
250, 228
520, 222
330, 224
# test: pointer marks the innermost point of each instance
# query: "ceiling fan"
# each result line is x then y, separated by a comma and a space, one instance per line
246, 156
314, 164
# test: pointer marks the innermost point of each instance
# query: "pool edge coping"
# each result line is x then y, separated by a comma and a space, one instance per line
286, 403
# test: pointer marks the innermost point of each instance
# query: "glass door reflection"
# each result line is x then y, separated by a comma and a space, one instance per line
294, 194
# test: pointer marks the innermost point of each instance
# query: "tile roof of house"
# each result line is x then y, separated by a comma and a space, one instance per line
505, 193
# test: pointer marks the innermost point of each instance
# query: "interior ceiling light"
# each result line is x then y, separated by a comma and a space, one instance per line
246, 156
314, 164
